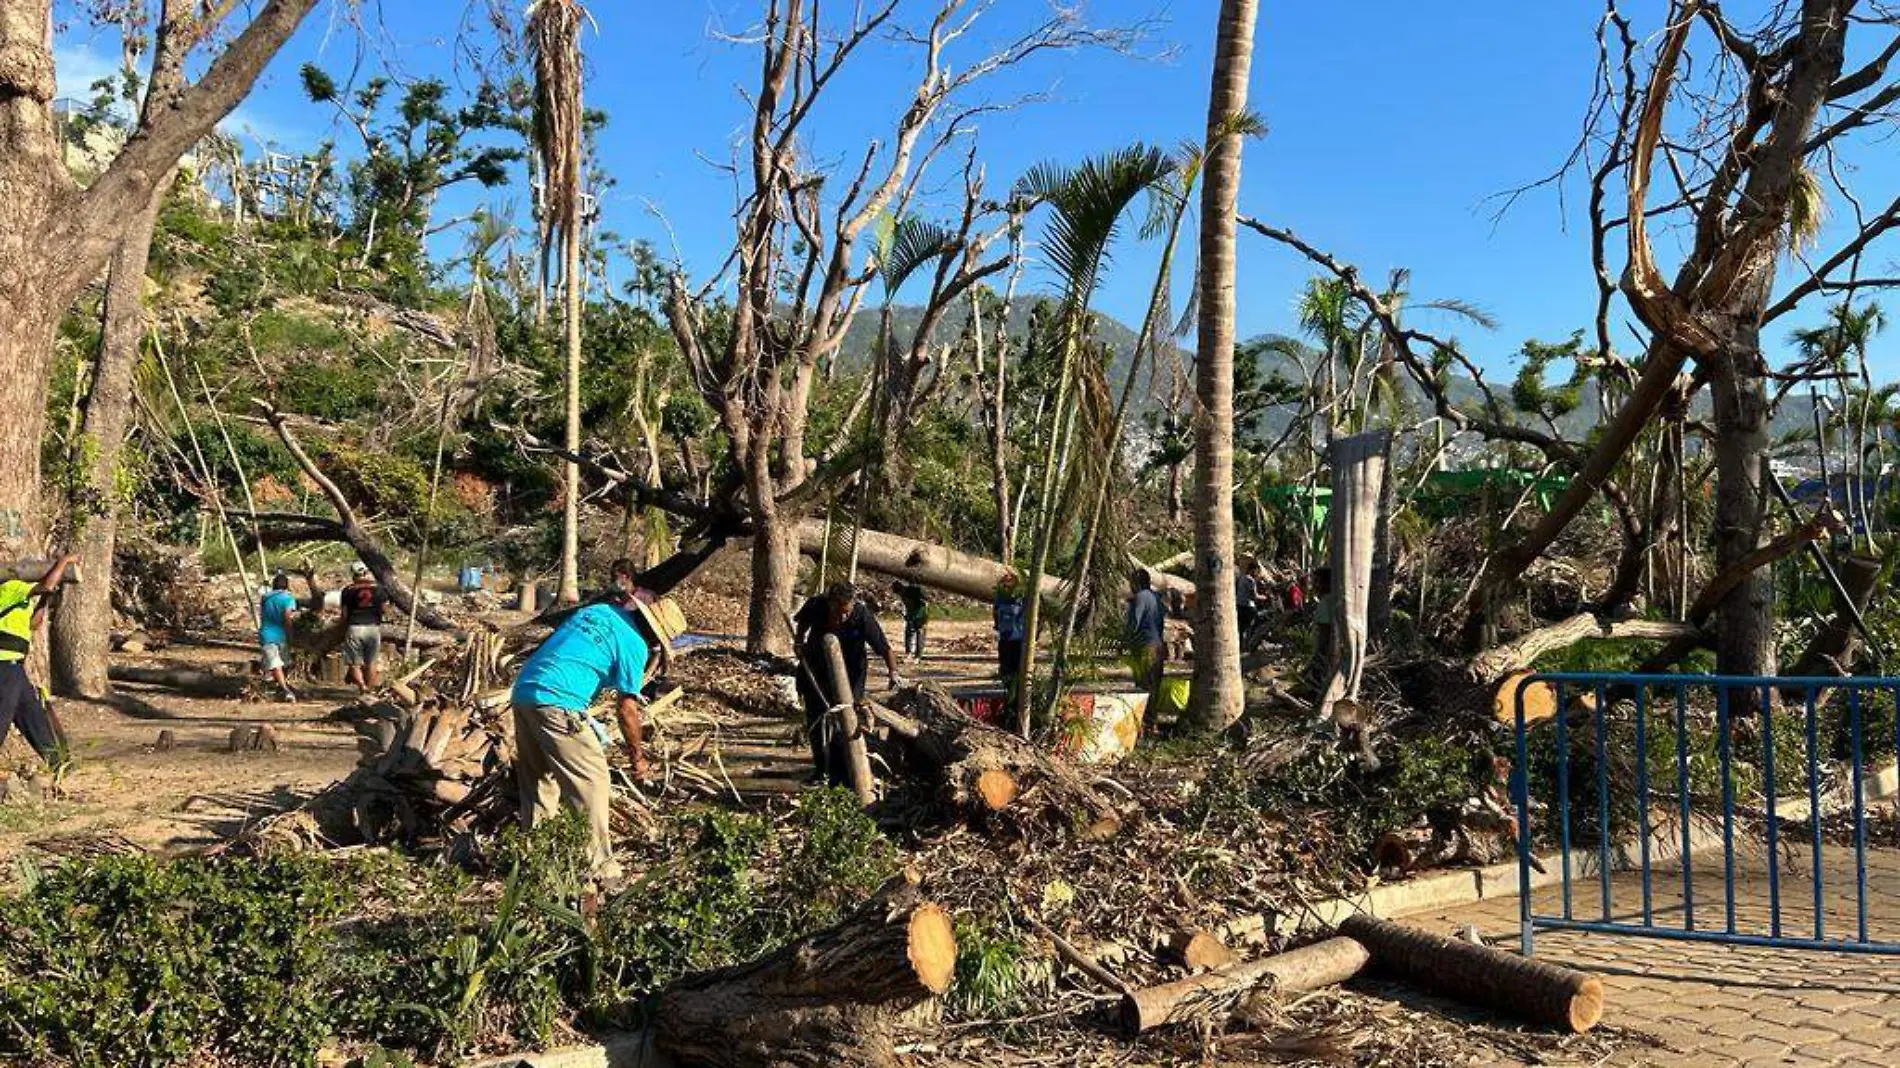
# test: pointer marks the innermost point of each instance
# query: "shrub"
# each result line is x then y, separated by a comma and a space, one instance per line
136, 960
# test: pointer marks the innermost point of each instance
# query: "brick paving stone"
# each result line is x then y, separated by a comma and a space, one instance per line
1727, 1005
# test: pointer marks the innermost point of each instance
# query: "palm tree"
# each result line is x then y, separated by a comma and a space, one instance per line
1168, 209
1218, 695
1088, 202
1840, 346
554, 33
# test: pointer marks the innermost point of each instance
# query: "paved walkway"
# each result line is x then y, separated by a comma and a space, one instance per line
1731, 1005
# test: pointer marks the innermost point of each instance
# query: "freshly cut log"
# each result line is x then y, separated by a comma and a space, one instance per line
1308, 968
833, 998
185, 680
996, 789
1532, 989
978, 769
1199, 951
1540, 700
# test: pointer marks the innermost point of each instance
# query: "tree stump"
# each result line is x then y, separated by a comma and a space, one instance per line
833, 998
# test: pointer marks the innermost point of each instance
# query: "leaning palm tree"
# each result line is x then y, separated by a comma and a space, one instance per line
1168, 207
1218, 695
554, 35
1088, 203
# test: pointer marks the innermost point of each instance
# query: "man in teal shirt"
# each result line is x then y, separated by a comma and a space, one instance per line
561, 750
273, 632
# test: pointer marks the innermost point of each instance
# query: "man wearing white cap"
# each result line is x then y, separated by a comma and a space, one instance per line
363, 602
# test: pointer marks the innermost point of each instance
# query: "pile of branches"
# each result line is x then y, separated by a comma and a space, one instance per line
435, 767
162, 588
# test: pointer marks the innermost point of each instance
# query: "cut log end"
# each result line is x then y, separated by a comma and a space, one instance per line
1540, 699
1586, 1006
1199, 951
933, 948
996, 788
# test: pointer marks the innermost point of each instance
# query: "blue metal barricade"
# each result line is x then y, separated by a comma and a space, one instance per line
1680, 791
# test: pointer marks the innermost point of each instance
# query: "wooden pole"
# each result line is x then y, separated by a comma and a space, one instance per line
844, 703
1535, 990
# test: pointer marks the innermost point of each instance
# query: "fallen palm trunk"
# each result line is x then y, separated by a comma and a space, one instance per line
834, 998
1532, 989
943, 568
185, 680
978, 769
1309, 968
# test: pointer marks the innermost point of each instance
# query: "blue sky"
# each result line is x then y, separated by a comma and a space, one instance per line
1391, 126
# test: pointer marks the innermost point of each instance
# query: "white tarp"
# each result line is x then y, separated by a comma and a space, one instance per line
1358, 464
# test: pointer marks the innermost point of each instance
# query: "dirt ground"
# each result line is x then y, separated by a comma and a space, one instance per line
123, 790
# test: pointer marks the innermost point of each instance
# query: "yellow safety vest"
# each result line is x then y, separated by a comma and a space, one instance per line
16, 619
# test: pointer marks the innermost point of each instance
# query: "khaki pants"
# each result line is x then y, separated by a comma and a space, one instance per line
558, 759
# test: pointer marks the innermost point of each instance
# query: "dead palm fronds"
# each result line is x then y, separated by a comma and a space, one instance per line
554, 29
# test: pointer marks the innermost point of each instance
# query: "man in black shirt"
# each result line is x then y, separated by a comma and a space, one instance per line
363, 602
836, 613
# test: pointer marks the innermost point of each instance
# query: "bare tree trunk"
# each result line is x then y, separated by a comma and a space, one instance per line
55, 237
1218, 693
995, 410
570, 591
82, 624
1745, 618
775, 559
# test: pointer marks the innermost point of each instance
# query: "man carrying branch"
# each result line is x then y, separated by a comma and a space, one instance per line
838, 613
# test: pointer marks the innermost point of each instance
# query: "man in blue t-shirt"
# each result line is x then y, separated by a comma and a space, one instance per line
561, 750
1006, 615
273, 632
1144, 627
